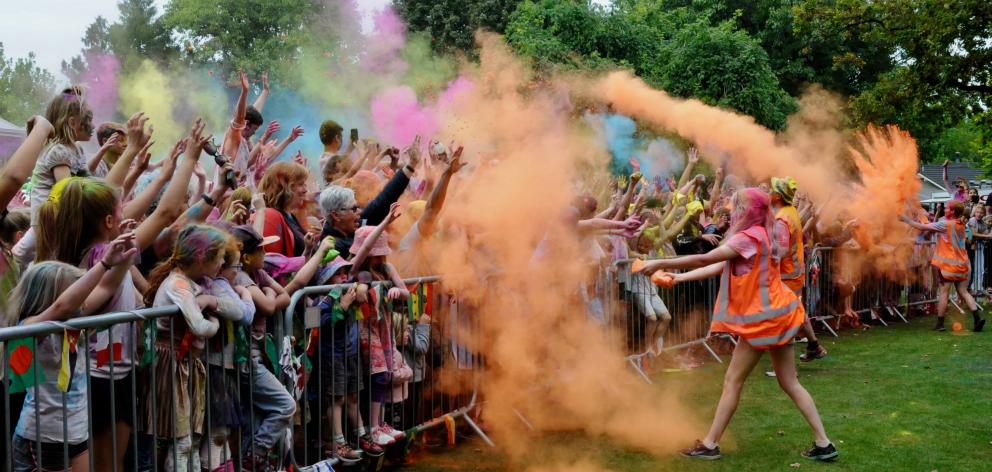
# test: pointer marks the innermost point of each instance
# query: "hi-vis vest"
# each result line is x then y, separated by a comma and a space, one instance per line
951, 257
757, 306
793, 265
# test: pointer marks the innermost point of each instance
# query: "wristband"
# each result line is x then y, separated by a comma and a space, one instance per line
210, 201
410, 169
105, 265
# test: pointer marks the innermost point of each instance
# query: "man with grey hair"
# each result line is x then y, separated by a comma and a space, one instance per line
343, 216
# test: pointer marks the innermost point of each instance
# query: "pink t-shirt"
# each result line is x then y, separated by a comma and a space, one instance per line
747, 248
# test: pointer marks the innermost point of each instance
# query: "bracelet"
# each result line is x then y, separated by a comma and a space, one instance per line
410, 169
210, 201
105, 265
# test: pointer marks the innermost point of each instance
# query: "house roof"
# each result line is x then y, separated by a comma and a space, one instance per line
955, 170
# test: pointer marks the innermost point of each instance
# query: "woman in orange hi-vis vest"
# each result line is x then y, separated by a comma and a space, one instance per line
755, 305
792, 266
951, 259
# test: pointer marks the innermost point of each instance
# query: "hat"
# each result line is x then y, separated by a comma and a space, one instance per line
381, 246
250, 239
330, 269
785, 187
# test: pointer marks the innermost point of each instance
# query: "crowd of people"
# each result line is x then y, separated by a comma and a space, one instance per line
114, 232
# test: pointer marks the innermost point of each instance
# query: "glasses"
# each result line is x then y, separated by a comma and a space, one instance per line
354, 209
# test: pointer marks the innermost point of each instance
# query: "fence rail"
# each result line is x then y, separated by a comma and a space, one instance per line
432, 334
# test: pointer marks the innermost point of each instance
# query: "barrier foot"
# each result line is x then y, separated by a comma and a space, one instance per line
471, 423
523, 419
634, 362
733, 340
955, 303
876, 316
830, 329
710, 350
895, 312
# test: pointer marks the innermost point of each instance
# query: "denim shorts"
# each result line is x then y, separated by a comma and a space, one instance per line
52, 455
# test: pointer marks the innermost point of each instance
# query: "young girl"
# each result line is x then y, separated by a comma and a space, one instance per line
53, 291
370, 249
273, 406
178, 406
228, 351
754, 304
74, 225
72, 121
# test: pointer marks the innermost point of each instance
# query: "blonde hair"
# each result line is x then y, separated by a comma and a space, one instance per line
39, 287
70, 103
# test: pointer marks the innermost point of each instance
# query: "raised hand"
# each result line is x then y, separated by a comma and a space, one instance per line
456, 163
237, 213
298, 158
196, 140
693, 155
270, 130
265, 81
112, 141
122, 249
413, 152
394, 213
244, 81
296, 133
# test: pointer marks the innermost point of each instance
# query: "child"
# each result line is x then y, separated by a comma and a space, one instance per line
646, 298
340, 360
273, 406
54, 291
370, 249
951, 258
228, 350
178, 408
72, 121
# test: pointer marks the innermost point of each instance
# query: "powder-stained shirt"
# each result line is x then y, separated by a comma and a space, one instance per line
43, 177
179, 290
106, 344
45, 401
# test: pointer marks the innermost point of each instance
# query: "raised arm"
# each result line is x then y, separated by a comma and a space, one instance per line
98, 156
170, 205
717, 189
436, 201
139, 168
621, 211
260, 101
369, 243
233, 138
137, 139
293, 135
691, 161
21, 164
72, 301
947, 182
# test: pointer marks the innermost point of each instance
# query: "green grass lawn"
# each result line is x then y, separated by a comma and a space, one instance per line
901, 398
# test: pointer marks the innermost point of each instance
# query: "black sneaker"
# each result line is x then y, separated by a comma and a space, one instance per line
979, 325
700, 451
818, 453
940, 325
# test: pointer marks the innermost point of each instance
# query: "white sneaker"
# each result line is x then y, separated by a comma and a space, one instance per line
397, 435
381, 438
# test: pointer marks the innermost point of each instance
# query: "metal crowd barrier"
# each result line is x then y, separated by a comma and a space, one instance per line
429, 402
145, 452
630, 297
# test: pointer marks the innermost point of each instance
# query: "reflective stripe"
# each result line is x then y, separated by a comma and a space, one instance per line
764, 315
953, 262
772, 340
767, 312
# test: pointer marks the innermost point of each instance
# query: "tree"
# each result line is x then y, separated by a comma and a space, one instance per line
137, 35
940, 69
25, 88
255, 35
451, 24
677, 50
